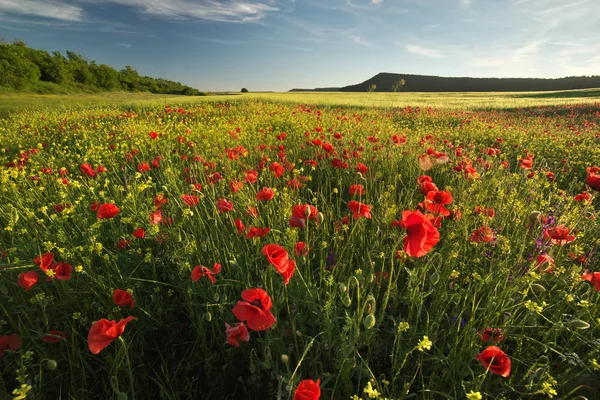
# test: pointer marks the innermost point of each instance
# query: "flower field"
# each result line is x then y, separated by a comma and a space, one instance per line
275, 250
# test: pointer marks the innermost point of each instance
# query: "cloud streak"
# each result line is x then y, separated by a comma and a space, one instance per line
40, 8
423, 51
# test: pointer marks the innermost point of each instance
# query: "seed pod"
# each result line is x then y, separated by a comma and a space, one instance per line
534, 217
320, 217
342, 288
347, 301
208, 316
285, 359
51, 364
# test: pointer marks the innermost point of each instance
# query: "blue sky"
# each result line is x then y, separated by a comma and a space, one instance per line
283, 44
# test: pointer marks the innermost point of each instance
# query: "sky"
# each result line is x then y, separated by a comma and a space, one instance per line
283, 44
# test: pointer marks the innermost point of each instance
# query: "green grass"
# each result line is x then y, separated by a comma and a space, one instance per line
10, 102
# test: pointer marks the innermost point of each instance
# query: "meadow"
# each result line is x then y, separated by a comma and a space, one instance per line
301, 245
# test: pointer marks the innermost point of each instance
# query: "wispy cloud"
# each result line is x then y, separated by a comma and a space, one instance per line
211, 10
465, 3
41, 8
227, 42
423, 51
376, 1
126, 45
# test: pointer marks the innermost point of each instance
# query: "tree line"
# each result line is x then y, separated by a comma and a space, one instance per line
26, 69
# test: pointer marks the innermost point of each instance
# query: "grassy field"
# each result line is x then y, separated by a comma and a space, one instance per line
10, 102
340, 245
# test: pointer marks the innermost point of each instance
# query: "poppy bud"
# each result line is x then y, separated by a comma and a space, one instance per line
285, 359
579, 324
208, 316
216, 297
51, 364
122, 396
307, 212
320, 217
347, 301
369, 321
342, 288
534, 216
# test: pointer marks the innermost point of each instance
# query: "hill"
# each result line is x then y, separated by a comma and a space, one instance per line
424, 83
23, 69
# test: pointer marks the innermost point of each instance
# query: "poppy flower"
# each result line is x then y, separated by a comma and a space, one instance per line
482, 234
12, 343
357, 190
28, 279
251, 176
265, 194
156, 217
362, 168
301, 249
526, 163
294, 184
54, 336
87, 170
427, 187
103, 332
582, 197
143, 167
544, 259
280, 259
308, 390
139, 233
277, 169
495, 360
559, 235
236, 332
94, 207
239, 226
488, 212
235, 186
300, 213
123, 298
594, 279
255, 309
44, 261
421, 234
107, 211
153, 135
190, 200
200, 270
224, 205
436, 200
359, 209
491, 335
62, 271
425, 162
101, 169
159, 200
593, 180
257, 232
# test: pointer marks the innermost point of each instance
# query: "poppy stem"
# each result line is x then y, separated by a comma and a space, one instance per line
292, 319
129, 369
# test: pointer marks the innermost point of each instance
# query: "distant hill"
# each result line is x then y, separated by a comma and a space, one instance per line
384, 82
24, 69
327, 89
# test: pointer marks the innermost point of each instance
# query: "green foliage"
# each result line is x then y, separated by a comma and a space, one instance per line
244, 90
26, 69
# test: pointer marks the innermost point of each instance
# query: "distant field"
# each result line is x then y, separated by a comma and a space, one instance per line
465, 101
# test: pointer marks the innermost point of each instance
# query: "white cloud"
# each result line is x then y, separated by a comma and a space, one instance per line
41, 8
376, 1
465, 3
423, 51
212, 10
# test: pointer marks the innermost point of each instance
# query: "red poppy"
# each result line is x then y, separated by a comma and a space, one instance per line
28, 279
277, 169
200, 270
54, 336
143, 167
308, 390
359, 209
357, 190
107, 211
425, 162
526, 163
427, 187
123, 243
300, 213
251, 176
159, 200
280, 259
265, 194
491, 335
544, 259
488, 212
101, 168
139, 233
362, 168
95, 205
594, 279
153, 135
44, 261
593, 179
190, 200
62, 271
236, 186
482, 234
436, 200
255, 309
495, 360
103, 332
87, 170
224, 205
236, 332
257, 232
421, 234
12, 343
123, 298
294, 184
239, 226
156, 217
301, 249
559, 235
582, 196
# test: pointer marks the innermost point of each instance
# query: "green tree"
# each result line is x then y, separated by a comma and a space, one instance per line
371, 88
398, 85
244, 90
